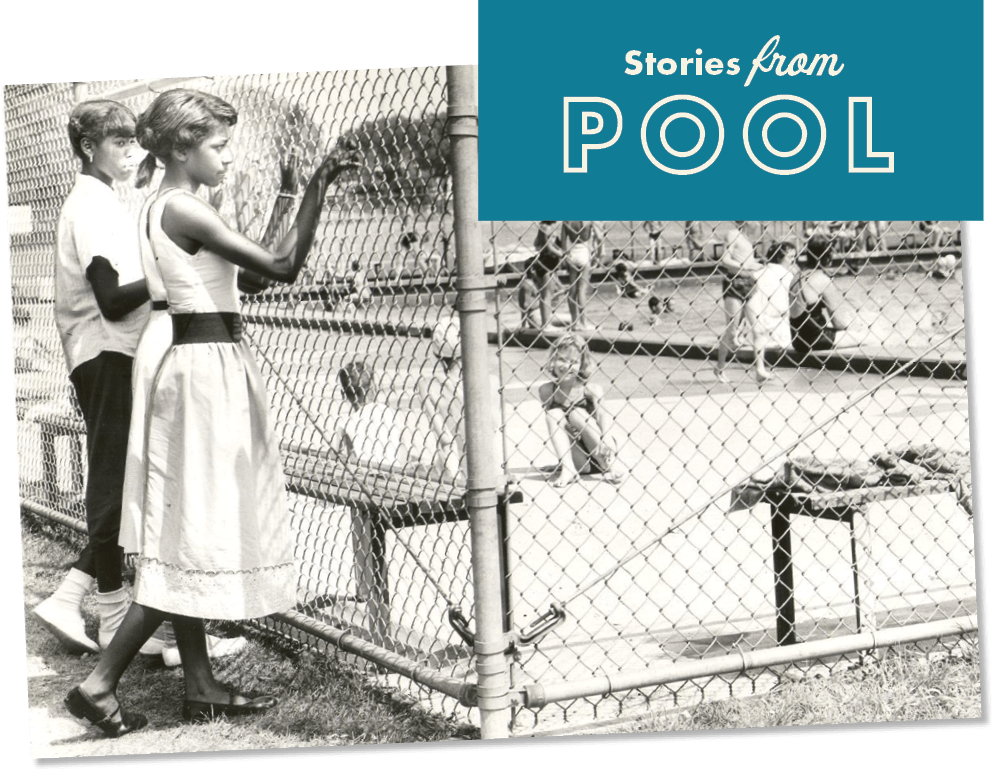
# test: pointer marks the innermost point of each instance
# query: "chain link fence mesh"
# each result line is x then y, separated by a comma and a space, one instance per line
831, 499
378, 282
761, 506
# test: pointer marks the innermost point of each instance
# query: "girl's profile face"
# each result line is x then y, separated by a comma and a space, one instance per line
115, 158
208, 162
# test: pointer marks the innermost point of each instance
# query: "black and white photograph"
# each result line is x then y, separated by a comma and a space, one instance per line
307, 455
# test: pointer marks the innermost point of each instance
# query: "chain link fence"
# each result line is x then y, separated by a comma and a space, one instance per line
721, 517
382, 539
716, 530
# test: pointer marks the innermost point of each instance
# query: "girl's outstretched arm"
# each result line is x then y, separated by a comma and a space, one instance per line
249, 281
295, 246
191, 223
289, 185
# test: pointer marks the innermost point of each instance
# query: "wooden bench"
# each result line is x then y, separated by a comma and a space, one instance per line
844, 506
383, 499
309, 409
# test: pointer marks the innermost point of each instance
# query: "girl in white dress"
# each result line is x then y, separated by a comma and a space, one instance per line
215, 536
156, 338
157, 335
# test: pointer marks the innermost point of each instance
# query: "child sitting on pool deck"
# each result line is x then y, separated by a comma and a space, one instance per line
579, 428
818, 309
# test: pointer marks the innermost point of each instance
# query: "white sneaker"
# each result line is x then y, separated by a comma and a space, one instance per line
65, 622
217, 647
61, 613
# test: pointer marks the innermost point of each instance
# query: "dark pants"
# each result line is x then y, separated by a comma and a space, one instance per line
103, 389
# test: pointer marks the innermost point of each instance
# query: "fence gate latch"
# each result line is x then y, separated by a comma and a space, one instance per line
542, 625
460, 624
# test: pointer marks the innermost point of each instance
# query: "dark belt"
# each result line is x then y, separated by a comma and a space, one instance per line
160, 305
219, 327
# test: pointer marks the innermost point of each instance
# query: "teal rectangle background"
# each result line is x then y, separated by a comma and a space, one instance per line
921, 62
114, 39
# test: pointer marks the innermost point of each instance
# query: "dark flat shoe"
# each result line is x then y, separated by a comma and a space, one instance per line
113, 725
204, 711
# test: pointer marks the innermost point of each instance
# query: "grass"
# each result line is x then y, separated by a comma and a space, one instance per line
903, 685
323, 701
327, 702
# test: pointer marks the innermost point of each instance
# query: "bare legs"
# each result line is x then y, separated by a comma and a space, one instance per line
736, 311
545, 289
537, 295
569, 446
577, 295
556, 422
733, 308
760, 340
527, 296
138, 625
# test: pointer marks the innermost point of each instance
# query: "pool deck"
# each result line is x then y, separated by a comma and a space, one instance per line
869, 358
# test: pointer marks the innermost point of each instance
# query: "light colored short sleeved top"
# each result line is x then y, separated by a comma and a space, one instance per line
93, 222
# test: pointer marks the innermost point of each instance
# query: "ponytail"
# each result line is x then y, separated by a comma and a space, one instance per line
145, 171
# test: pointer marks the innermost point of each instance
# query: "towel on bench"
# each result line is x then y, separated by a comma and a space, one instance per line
904, 465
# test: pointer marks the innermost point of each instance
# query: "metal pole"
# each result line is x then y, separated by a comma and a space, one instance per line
784, 574
490, 641
387, 659
534, 696
70, 521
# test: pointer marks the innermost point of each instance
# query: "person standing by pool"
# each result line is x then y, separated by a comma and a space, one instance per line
739, 269
576, 240
654, 230
540, 282
695, 239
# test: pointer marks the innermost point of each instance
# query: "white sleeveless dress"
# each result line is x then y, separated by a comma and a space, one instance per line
155, 340
216, 539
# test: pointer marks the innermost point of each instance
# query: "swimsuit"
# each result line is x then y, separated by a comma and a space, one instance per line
741, 283
598, 463
813, 329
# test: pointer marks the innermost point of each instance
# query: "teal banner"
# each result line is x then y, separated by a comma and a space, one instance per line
730, 110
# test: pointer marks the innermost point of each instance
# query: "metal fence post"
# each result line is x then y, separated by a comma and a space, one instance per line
493, 681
